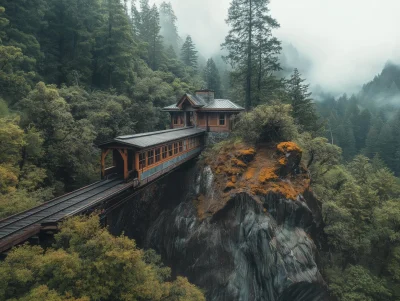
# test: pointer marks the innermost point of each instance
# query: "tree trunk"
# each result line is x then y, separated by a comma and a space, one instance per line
249, 59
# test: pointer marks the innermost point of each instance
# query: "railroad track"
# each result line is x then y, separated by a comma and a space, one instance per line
57, 209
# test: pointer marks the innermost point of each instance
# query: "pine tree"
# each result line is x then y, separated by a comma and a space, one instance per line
69, 43
154, 39
189, 53
347, 140
115, 48
212, 78
303, 107
169, 30
250, 43
371, 142
387, 145
147, 22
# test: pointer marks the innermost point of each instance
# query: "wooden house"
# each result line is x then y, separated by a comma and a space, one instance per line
203, 111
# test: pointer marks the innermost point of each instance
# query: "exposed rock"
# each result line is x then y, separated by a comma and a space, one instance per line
241, 243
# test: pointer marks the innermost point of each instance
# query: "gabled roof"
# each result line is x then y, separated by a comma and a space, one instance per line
147, 140
194, 100
199, 103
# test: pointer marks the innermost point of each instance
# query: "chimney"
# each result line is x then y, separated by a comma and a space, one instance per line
206, 95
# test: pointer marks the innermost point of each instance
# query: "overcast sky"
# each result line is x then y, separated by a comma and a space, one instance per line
347, 41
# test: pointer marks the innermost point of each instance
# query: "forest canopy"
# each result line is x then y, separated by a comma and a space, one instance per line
78, 72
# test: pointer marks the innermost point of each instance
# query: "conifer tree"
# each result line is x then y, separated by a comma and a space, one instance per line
169, 30
250, 43
69, 43
212, 78
115, 48
154, 39
303, 107
189, 53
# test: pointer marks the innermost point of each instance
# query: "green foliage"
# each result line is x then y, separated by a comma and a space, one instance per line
266, 123
303, 110
212, 78
169, 29
67, 143
357, 284
189, 53
115, 49
88, 263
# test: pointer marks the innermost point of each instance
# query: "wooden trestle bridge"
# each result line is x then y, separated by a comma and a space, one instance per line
136, 161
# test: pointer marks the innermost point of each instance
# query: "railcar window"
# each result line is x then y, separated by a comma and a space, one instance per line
164, 152
142, 160
158, 155
150, 157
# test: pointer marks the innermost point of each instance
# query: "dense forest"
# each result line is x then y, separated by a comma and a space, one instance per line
74, 73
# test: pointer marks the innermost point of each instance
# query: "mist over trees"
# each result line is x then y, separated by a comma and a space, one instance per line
76, 73
252, 50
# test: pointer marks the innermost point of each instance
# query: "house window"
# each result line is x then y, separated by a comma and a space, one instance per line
176, 118
175, 148
158, 155
170, 152
150, 157
142, 160
221, 119
180, 146
164, 152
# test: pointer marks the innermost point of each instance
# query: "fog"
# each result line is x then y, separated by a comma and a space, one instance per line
347, 42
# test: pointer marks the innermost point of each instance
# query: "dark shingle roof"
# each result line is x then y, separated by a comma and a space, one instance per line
155, 138
216, 104
223, 104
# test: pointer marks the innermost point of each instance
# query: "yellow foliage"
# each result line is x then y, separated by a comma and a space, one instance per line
230, 185
246, 152
286, 147
250, 173
282, 161
267, 174
88, 263
238, 162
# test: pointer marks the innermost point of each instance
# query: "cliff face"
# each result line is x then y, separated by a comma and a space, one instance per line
242, 232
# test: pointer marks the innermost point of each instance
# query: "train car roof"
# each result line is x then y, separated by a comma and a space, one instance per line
147, 140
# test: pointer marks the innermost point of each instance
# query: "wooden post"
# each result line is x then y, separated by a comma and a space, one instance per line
104, 154
124, 155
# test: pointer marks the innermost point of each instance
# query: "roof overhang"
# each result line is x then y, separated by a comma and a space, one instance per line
120, 142
186, 97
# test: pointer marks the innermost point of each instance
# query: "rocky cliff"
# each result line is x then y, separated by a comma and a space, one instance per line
242, 230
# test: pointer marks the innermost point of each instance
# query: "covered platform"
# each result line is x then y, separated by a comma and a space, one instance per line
144, 157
